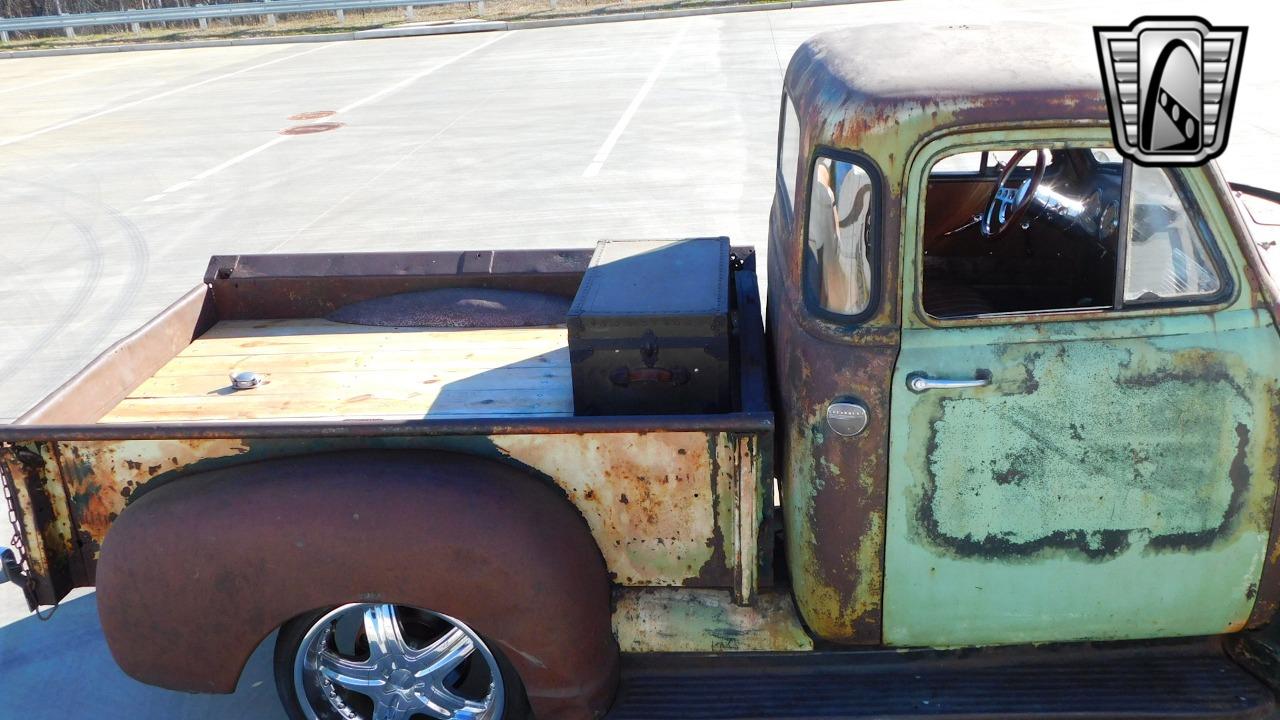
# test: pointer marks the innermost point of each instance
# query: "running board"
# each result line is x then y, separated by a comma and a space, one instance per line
1181, 680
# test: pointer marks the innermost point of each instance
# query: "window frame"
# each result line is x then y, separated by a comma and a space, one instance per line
1051, 137
790, 195
875, 255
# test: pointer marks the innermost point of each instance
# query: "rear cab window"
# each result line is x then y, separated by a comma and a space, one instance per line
788, 154
840, 260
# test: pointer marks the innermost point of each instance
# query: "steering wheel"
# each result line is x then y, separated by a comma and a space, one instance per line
1008, 204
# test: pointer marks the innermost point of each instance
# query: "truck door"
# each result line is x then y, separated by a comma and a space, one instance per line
1066, 465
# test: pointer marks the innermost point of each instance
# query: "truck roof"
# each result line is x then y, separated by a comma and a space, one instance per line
858, 84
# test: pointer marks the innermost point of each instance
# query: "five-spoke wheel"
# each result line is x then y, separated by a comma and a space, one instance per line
389, 662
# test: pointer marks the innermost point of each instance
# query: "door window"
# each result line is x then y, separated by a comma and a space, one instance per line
1039, 231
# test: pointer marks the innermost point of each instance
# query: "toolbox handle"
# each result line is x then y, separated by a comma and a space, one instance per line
623, 377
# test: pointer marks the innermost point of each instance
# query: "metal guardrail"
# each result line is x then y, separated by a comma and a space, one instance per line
203, 13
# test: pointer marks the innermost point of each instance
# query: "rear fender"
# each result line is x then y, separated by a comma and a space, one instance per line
193, 575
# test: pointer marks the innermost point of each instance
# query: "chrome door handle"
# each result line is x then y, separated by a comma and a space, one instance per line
919, 382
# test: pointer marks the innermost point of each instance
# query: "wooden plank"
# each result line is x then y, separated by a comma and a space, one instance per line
246, 406
367, 343
336, 337
359, 382
230, 329
180, 418
330, 371
382, 360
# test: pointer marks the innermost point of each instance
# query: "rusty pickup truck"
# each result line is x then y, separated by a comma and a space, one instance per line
1004, 444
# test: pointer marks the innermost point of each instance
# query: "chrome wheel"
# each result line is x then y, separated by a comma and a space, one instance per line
394, 662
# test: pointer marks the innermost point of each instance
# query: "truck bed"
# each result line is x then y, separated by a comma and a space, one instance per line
674, 500
322, 370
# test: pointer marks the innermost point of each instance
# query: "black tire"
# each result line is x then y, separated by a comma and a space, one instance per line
289, 643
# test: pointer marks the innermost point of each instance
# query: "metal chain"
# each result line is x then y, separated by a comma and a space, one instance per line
16, 544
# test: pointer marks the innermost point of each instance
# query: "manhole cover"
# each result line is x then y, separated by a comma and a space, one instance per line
313, 115
311, 129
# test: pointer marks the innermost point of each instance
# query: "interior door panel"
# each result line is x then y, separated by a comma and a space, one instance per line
952, 204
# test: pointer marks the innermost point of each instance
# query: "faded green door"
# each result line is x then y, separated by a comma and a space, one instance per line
1114, 479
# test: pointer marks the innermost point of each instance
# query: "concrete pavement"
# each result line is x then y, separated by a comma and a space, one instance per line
121, 174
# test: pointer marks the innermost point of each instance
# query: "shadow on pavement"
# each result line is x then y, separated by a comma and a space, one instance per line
62, 669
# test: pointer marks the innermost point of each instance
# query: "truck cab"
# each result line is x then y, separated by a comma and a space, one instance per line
1065, 360
1004, 445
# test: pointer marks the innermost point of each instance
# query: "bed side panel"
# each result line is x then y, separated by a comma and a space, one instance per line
663, 506
122, 367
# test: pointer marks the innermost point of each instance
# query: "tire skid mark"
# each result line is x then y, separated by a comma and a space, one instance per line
136, 265
78, 302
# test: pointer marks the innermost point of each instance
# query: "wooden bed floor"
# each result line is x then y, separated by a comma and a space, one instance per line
321, 370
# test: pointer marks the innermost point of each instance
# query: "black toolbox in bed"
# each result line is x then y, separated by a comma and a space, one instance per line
649, 329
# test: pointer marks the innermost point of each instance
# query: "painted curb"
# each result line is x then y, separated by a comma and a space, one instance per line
443, 29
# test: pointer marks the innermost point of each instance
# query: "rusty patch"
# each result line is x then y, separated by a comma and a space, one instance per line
700, 620
1268, 591
43, 518
103, 477
654, 511
312, 128
313, 115
833, 488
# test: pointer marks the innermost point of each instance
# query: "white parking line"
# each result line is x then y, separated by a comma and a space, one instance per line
602, 154
240, 158
165, 94
417, 76
395, 87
